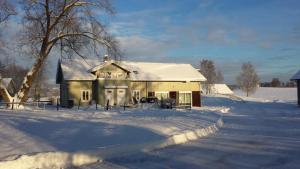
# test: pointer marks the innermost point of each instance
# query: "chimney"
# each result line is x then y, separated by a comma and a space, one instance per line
105, 58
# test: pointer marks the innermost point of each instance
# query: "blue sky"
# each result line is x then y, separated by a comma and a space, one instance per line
229, 32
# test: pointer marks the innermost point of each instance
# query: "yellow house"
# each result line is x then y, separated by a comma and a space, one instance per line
117, 83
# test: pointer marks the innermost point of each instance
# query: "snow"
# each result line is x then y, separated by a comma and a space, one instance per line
221, 89
255, 135
234, 134
78, 69
269, 94
296, 76
163, 71
58, 136
6, 81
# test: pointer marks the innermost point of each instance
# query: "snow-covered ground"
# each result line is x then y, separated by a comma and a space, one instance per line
101, 133
255, 135
271, 94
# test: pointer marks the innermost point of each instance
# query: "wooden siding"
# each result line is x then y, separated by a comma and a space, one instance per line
146, 87
101, 83
75, 88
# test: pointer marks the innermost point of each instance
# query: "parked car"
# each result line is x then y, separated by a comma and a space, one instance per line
168, 103
148, 100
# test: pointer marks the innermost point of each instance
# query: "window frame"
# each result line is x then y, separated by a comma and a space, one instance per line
139, 92
82, 95
162, 92
185, 92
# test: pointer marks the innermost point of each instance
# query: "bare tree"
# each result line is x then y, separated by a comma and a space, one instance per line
6, 10
248, 79
207, 68
219, 77
69, 25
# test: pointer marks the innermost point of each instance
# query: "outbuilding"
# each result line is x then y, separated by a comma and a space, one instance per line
296, 77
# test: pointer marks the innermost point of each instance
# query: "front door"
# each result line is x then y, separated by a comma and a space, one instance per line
109, 96
121, 96
196, 99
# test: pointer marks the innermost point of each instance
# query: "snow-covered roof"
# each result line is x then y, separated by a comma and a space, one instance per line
296, 76
221, 89
162, 71
6, 81
79, 69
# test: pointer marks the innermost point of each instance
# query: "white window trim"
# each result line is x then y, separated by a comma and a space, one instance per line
191, 96
139, 91
161, 92
81, 92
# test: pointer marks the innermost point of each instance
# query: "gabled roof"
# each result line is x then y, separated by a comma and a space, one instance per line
79, 69
296, 76
76, 69
103, 64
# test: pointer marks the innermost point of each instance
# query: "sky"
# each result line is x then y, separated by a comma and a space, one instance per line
229, 32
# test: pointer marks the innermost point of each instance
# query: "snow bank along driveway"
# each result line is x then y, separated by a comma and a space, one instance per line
255, 135
79, 137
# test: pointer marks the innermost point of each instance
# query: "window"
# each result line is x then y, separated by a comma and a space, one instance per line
85, 95
162, 95
185, 98
136, 94
108, 75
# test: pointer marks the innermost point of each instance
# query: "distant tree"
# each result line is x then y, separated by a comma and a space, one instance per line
207, 69
290, 84
275, 82
219, 77
248, 79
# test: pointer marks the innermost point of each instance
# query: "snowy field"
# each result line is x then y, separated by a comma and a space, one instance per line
271, 94
102, 134
255, 134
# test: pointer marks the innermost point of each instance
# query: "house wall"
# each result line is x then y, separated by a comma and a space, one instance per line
114, 84
74, 89
146, 87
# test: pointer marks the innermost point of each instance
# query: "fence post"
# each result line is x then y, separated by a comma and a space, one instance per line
96, 105
107, 104
12, 106
57, 108
79, 103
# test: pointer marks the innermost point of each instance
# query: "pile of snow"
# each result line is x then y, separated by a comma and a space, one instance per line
30, 136
221, 89
50, 160
270, 94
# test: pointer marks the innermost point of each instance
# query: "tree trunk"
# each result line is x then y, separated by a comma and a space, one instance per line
22, 94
